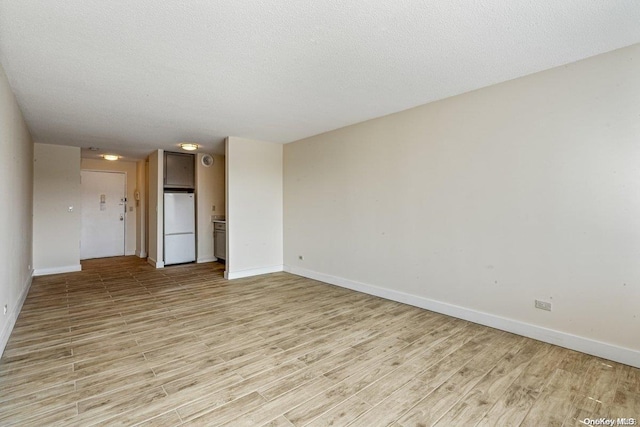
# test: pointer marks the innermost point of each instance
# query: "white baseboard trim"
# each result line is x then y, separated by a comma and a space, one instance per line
156, 264
57, 270
129, 253
206, 259
13, 314
141, 254
563, 339
252, 272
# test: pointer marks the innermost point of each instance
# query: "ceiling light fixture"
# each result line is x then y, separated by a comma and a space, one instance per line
189, 146
110, 157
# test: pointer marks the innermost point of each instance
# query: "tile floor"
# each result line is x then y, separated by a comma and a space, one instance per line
121, 343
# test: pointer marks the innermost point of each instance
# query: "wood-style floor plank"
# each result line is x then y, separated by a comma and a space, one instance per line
121, 343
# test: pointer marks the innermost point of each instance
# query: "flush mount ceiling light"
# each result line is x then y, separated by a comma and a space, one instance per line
111, 157
189, 146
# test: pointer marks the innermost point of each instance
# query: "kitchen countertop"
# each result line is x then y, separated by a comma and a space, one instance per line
223, 221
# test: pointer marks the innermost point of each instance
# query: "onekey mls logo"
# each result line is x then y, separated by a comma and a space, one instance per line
610, 421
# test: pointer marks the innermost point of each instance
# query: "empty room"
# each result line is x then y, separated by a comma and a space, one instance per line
320, 213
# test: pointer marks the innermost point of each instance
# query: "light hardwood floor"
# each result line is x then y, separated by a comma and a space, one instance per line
121, 343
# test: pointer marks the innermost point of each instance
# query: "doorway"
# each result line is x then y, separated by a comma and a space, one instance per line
103, 214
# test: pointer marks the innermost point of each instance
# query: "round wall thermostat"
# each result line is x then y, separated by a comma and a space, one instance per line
206, 160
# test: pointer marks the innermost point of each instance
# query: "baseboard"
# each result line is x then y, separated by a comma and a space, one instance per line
574, 342
207, 259
141, 254
13, 314
156, 264
129, 253
57, 270
252, 272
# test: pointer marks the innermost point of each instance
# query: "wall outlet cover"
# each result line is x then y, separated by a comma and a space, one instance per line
543, 305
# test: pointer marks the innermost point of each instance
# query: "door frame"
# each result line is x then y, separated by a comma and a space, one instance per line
126, 203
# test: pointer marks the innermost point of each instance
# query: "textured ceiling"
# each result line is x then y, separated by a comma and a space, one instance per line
133, 76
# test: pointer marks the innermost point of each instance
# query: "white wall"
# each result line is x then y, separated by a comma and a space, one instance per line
16, 193
129, 168
209, 193
56, 209
254, 207
156, 218
478, 204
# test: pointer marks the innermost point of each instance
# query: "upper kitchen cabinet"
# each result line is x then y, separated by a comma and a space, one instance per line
179, 170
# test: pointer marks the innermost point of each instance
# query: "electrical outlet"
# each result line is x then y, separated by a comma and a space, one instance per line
300, 257
5, 309
543, 305
213, 208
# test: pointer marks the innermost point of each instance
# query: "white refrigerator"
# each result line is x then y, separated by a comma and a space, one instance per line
179, 228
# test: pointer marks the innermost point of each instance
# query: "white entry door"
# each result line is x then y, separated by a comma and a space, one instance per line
103, 214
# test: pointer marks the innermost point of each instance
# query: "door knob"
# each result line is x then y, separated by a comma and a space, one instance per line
121, 217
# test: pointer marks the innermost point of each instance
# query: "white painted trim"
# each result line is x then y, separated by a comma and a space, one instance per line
154, 263
142, 254
563, 339
57, 270
208, 259
252, 272
129, 253
14, 313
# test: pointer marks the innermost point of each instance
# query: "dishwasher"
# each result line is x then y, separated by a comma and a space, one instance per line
220, 240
